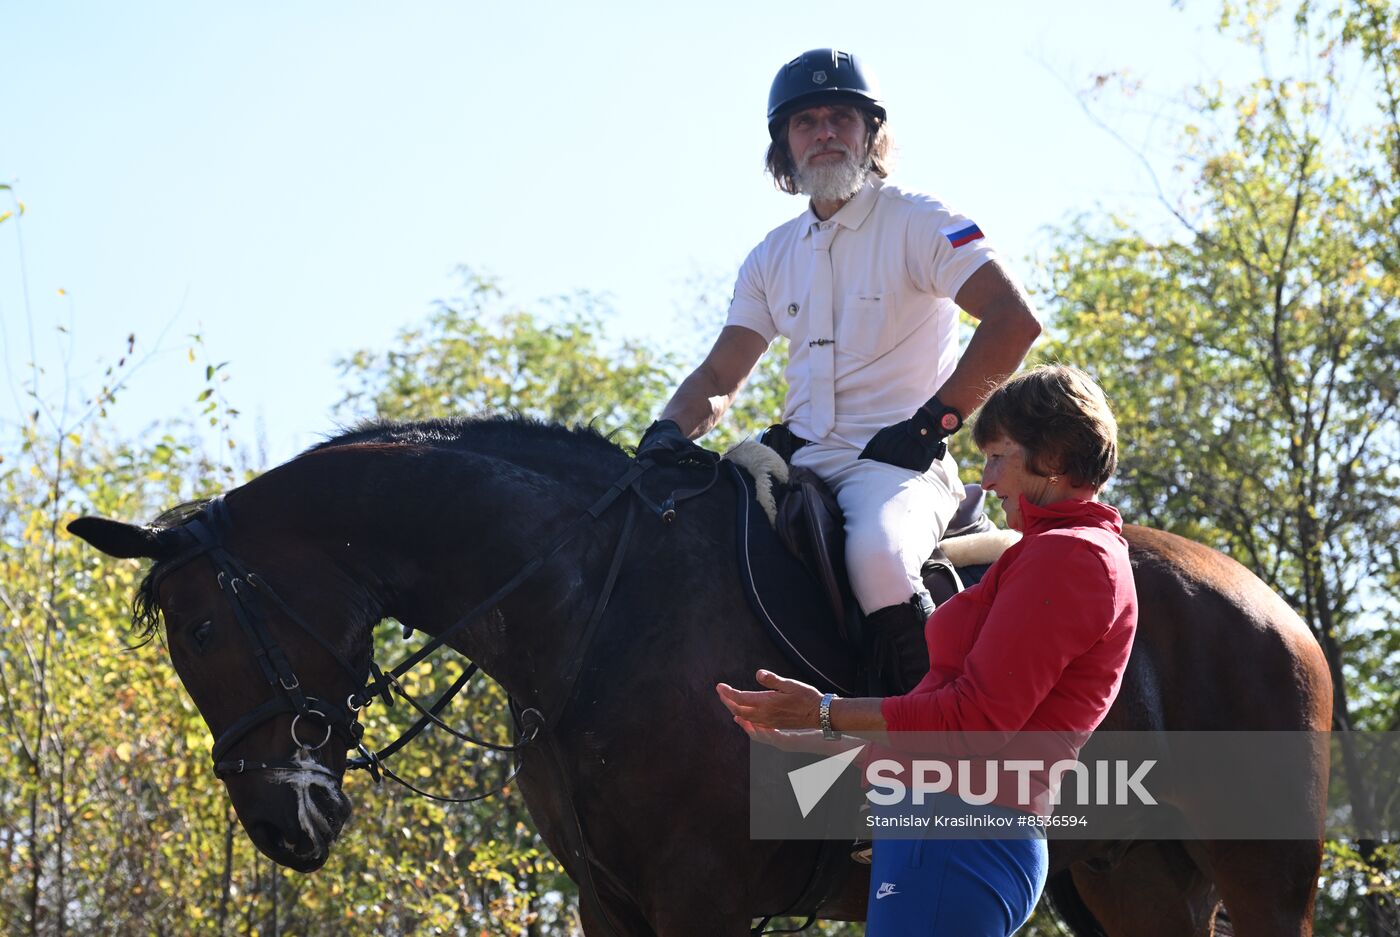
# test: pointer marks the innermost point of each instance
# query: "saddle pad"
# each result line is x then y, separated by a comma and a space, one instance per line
788, 600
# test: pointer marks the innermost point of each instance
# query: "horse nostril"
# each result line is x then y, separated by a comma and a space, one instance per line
332, 805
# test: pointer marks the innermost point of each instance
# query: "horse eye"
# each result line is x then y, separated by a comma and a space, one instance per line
199, 634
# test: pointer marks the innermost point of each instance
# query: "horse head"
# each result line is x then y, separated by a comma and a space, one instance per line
278, 692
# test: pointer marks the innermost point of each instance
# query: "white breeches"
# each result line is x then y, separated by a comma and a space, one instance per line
894, 518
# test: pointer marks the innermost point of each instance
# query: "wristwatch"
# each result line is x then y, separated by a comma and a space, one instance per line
948, 419
824, 717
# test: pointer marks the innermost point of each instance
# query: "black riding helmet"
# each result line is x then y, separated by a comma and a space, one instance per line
821, 76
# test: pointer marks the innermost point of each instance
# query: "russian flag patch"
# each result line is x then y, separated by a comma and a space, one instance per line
960, 234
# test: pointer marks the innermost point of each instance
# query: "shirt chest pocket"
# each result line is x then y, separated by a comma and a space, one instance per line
865, 328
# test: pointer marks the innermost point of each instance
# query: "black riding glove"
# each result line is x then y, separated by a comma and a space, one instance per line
665, 444
915, 443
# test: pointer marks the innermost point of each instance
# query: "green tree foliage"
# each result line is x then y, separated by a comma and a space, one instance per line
1251, 357
477, 354
104, 806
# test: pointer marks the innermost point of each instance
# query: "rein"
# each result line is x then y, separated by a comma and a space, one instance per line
316, 720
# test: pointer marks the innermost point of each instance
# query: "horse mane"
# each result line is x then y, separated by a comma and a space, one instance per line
513, 431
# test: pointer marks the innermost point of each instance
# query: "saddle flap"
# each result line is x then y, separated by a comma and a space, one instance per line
811, 525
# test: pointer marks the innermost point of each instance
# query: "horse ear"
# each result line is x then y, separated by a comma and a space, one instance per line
124, 540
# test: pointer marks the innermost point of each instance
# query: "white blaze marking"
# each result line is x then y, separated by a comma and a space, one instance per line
316, 827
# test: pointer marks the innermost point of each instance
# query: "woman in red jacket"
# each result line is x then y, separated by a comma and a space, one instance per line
1038, 646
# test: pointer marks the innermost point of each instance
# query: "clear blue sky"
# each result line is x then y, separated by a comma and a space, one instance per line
295, 181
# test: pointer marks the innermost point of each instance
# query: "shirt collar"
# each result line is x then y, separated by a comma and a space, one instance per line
1071, 512
852, 214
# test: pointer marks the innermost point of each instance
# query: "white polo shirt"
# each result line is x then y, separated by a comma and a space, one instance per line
897, 260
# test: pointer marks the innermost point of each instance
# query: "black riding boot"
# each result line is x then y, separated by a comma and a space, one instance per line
898, 651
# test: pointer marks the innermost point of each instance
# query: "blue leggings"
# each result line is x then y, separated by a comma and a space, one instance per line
954, 887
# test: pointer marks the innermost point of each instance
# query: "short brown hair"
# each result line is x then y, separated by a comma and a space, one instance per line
1060, 417
878, 144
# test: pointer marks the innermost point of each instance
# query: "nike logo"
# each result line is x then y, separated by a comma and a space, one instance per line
885, 890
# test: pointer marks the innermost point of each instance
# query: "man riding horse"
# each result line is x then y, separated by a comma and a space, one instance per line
865, 284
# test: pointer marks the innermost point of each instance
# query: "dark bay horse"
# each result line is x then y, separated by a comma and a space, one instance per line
421, 522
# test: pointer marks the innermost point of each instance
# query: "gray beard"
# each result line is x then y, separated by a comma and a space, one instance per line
833, 183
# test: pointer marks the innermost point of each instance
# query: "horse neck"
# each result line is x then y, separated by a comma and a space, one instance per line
434, 532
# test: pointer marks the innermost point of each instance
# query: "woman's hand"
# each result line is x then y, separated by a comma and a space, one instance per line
786, 704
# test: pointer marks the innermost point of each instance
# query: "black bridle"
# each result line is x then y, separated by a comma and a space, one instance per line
315, 720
